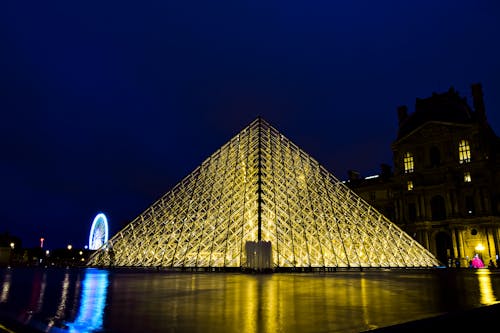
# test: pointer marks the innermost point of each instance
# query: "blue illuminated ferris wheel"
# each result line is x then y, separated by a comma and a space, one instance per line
99, 232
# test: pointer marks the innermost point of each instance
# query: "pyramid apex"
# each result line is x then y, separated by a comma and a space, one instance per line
260, 121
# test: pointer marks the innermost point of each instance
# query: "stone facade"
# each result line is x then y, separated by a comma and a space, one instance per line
445, 188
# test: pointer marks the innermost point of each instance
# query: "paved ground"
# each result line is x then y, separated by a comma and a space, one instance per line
486, 318
10, 326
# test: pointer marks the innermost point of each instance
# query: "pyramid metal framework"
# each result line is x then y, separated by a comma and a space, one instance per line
260, 188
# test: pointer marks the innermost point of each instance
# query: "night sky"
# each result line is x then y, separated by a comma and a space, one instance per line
106, 105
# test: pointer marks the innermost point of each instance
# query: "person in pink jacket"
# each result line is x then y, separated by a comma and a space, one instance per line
477, 262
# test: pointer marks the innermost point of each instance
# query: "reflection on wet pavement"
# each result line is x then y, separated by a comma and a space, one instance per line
98, 300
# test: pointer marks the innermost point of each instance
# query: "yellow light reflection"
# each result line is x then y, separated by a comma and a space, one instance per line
261, 305
251, 310
64, 296
271, 305
5, 288
487, 297
364, 302
41, 295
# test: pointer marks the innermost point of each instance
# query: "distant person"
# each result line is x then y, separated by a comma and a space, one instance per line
498, 261
477, 262
491, 264
457, 263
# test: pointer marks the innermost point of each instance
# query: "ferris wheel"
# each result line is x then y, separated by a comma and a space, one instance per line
99, 232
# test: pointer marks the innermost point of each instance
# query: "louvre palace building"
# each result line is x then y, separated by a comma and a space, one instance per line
444, 190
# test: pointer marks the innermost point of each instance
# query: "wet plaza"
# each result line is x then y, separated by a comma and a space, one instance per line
126, 300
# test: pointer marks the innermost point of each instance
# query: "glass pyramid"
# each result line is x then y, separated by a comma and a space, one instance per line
261, 202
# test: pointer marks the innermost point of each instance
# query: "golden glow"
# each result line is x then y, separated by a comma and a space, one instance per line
479, 247
310, 218
64, 297
251, 311
272, 304
70, 247
5, 288
364, 302
485, 287
410, 185
467, 177
463, 151
408, 162
6, 329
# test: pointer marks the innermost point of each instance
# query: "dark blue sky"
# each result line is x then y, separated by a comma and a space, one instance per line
107, 105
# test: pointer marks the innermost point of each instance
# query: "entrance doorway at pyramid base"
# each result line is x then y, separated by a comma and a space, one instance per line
259, 256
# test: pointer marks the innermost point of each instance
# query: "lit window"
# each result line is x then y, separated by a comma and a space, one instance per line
410, 185
467, 177
464, 151
408, 162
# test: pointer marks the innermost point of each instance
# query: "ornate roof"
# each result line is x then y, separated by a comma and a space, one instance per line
447, 107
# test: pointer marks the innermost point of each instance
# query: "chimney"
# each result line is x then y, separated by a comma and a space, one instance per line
402, 113
386, 172
353, 175
477, 100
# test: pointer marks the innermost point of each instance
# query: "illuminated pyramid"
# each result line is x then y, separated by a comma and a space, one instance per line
260, 202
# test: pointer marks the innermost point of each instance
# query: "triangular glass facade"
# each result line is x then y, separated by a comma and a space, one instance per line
261, 202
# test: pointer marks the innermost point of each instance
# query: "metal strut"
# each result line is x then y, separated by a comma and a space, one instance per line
259, 182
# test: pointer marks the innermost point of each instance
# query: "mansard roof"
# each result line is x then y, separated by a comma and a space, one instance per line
448, 107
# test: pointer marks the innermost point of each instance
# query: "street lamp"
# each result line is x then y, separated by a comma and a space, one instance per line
479, 248
12, 245
70, 247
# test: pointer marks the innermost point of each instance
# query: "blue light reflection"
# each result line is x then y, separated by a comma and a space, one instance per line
92, 302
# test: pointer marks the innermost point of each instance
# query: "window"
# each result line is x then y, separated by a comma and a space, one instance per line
408, 162
435, 157
464, 151
469, 205
410, 185
412, 212
467, 177
438, 209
